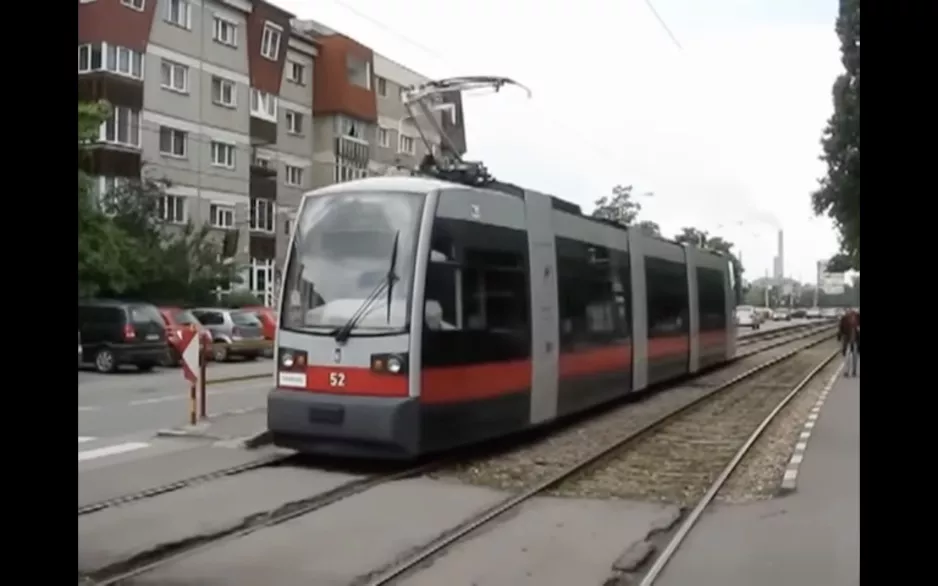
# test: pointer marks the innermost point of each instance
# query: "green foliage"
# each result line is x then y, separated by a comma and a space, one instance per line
649, 228
242, 299
838, 195
125, 251
620, 207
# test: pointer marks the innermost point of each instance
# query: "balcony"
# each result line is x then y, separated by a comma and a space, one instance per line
352, 150
263, 187
261, 166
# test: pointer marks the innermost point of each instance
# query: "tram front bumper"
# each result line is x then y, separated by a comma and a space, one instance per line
344, 425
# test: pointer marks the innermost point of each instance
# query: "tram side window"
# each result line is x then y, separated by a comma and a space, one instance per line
711, 299
666, 291
592, 297
476, 295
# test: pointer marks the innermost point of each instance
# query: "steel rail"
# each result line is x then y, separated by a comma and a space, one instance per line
486, 517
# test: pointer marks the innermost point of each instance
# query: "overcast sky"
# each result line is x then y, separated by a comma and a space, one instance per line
724, 131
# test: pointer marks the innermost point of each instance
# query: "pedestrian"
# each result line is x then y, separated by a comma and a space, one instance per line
848, 334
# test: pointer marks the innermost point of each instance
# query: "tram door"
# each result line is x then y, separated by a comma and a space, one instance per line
545, 346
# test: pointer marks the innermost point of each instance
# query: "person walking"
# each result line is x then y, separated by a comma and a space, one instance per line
848, 334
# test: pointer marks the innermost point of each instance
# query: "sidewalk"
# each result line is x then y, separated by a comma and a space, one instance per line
810, 537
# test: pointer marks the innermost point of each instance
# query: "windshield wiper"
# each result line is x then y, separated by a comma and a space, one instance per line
342, 334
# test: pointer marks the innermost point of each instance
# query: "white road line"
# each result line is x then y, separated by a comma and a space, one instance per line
86, 408
110, 451
83, 439
790, 479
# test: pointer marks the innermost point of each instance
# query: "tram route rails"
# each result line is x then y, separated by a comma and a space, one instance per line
719, 482
737, 386
143, 562
562, 448
762, 336
121, 571
795, 333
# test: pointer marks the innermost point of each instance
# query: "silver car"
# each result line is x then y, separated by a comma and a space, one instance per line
234, 332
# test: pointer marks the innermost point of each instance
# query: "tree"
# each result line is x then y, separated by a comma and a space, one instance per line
620, 207
838, 194
171, 264
649, 228
123, 248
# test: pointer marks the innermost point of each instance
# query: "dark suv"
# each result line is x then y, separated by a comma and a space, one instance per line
120, 332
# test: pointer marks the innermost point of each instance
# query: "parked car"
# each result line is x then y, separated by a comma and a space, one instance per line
748, 316
176, 320
268, 319
799, 313
830, 312
235, 332
114, 333
781, 314
814, 313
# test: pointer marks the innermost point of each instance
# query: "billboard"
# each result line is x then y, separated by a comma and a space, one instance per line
832, 283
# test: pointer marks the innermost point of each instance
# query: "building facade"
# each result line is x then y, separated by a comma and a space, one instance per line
242, 108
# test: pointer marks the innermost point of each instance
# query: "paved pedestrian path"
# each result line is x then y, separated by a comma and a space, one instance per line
811, 537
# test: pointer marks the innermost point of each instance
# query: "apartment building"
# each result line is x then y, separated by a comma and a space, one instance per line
360, 124
214, 96
242, 108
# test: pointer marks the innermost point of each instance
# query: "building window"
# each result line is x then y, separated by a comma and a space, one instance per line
223, 92
270, 41
223, 154
294, 175
137, 5
262, 215
174, 77
296, 72
407, 145
123, 128
262, 162
173, 142
359, 71
179, 13
263, 105
172, 208
384, 137
294, 122
221, 216
350, 128
226, 32
382, 85
105, 57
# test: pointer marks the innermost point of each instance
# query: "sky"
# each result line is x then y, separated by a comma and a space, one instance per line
722, 127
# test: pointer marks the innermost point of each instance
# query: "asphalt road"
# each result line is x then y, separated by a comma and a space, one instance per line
132, 402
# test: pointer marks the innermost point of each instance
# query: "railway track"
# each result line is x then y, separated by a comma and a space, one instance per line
123, 570
785, 337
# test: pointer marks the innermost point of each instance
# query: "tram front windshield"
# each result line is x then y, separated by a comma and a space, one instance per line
341, 253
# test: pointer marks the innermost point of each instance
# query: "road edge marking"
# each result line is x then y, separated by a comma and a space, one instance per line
790, 479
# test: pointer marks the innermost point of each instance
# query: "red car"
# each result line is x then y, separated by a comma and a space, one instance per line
268, 319
177, 319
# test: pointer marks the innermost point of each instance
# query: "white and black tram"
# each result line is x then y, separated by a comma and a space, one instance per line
419, 314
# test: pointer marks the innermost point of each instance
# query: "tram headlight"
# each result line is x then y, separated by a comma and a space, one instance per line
287, 360
389, 363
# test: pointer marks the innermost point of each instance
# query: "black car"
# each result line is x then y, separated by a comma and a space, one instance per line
113, 333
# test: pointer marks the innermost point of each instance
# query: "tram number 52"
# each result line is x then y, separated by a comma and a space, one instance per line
336, 379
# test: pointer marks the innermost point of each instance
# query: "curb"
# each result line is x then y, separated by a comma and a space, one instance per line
201, 430
790, 480
234, 379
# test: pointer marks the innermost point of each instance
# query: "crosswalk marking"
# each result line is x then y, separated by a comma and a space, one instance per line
110, 450
82, 439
